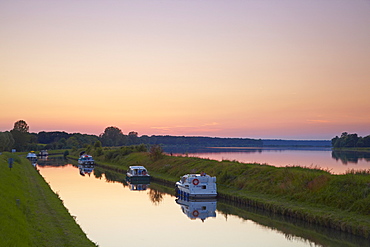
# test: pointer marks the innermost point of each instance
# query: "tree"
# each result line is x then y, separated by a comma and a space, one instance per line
156, 152
335, 142
132, 138
20, 135
72, 142
97, 144
112, 136
21, 126
350, 140
6, 141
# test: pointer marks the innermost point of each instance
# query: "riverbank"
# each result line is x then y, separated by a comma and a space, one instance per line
337, 201
31, 213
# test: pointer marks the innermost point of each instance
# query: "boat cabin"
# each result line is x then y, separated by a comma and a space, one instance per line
197, 185
138, 174
86, 159
137, 171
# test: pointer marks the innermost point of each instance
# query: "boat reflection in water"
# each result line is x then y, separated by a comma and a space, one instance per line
135, 186
198, 208
85, 169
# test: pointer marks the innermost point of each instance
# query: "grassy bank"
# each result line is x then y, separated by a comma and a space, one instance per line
31, 213
336, 201
291, 228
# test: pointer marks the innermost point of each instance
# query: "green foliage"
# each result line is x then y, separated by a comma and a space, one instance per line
6, 141
133, 138
98, 151
156, 152
350, 141
21, 126
97, 144
112, 154
112, 136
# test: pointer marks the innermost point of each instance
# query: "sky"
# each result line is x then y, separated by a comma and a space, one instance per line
287, 69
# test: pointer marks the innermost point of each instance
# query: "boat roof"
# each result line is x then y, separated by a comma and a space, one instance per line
137, 167
196, 175
86, 155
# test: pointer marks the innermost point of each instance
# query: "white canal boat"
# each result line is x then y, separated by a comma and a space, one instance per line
197, 186
43, 153
138, 174
85, 159
32, 156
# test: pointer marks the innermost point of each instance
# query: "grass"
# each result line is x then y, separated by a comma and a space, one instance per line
31, 213
314, 195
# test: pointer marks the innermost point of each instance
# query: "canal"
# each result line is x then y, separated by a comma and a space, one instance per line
114, 213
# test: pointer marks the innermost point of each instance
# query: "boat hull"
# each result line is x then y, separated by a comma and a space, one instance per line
86, 163
138, 179
187, 193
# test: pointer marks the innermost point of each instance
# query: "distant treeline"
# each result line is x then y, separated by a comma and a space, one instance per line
201, 141
350, 156
296, 143
20, 139
57, 140
350, 140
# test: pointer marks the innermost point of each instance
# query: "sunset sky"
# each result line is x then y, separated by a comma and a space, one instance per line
287, 69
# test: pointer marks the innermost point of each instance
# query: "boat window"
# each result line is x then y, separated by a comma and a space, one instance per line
204, 208
204, 187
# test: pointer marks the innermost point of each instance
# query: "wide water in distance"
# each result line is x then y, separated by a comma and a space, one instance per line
337, 162
112, 213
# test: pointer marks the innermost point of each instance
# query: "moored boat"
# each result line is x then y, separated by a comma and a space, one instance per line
197, 186
85, 159
32, 156
138, 174
43, 153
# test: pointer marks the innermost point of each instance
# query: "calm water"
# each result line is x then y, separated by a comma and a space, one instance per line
325, 158
113, 213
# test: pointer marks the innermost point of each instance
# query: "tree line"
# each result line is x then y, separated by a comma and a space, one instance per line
20, 139
350, 141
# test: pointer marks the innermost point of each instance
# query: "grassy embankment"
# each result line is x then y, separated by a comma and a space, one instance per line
31, 213
291, 228
338, 201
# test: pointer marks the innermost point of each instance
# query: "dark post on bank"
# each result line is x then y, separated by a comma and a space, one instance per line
10, 162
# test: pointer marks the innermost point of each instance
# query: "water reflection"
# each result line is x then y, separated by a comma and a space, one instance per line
110, 175
350, 156
292, 228
52, 161
337, 162
85, 169
198, 208
156, 196
225, 223
134, 186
